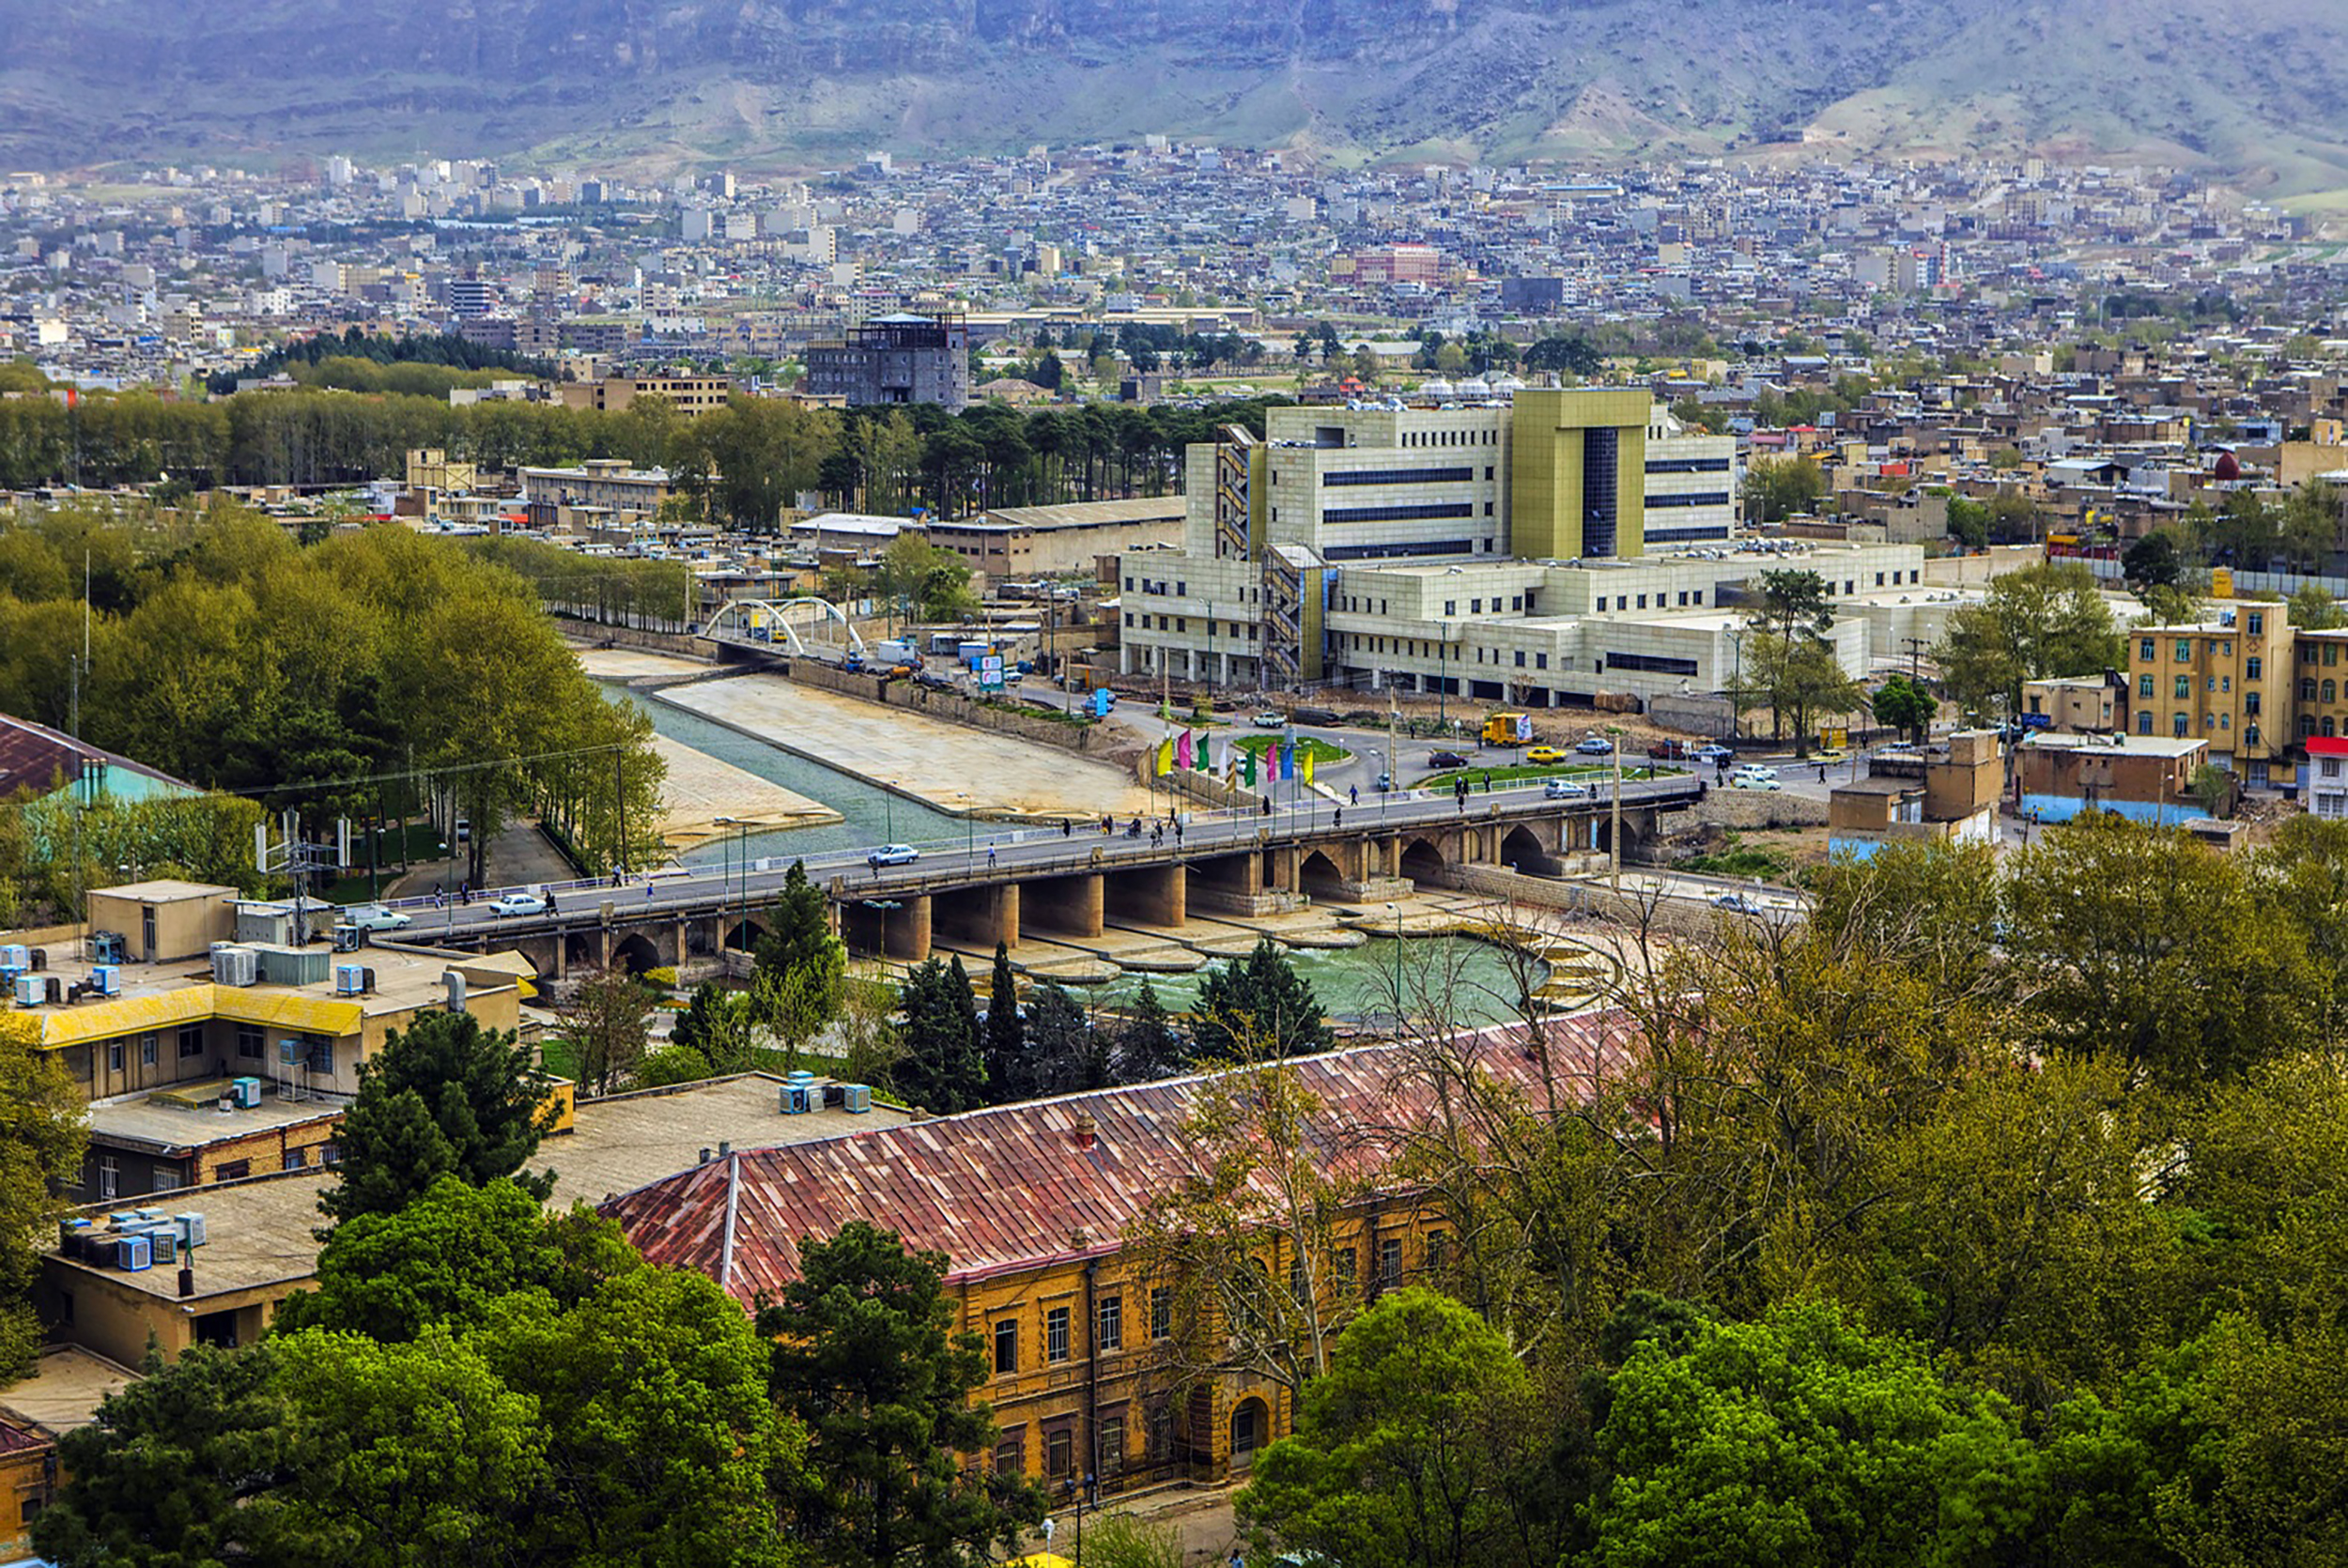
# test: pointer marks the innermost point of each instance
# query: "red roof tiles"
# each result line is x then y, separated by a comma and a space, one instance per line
1008, 1188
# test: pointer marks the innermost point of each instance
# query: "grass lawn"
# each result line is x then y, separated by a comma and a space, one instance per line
1321, 751
1528, 770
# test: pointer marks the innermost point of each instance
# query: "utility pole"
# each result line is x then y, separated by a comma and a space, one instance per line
1915, 646
1615, 834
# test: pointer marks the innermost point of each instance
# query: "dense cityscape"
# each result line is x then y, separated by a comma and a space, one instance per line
1162, 854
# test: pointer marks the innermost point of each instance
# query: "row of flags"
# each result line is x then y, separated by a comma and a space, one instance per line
1284, 759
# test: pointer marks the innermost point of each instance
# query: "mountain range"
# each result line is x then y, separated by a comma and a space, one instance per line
2255, 90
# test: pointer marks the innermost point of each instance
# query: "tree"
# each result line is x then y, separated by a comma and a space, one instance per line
1905, 705
1420, 1449
43, 1131
1048, 372
2038, 623
2154, 560
1148, 1047
1805, 680
445, 1098
868, 1359
1245, 1244
1010, 1073
1777, 489
2147, 947
1969, 522
1068, 1055
449, 1259
800, 951
2212, 789
1792, 602
942, 1069
2313, 609
1257, 1008
604, 1022
1801, 1440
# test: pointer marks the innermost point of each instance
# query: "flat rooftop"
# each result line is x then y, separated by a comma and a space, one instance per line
68, 1385
257, 1232
186, 1115
625, 1141
2120, 745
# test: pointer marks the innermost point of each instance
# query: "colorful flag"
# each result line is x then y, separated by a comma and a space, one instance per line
1204, 762
1308, 764
1165, 756
1182, 752
1287, 761
1247, 767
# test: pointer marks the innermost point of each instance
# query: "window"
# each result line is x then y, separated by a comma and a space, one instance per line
168, 1179
249, 1043
1162, 1312
109, 1176
296, 1159
1438, 1249
1476, 607
1110, 1332
1541, 661
1390, 1263
2184, 649
1059, 1453
2253, 668
1451, 607
2250, 703
146, 1050
1642, 600
1112, 1445
2144, 687
2258, 625
2306, 688
2185, 687
2328, 768
2331, 654
2180, 723
114, 1056
1878, 579
1519, 658
1056, 1334
234, 1169
2212, 684
1011, 1455
2328, 689
190, 1041
1342, 1266
1396, 476
1160, 1430
1006, 1347
323, 1055
1409, 511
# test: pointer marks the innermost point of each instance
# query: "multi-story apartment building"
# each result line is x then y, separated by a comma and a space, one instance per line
2234, 679
896, 359
688, 395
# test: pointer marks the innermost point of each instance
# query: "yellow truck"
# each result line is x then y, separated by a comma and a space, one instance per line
1508, 729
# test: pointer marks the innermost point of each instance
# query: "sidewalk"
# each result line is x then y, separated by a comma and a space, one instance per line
519, 854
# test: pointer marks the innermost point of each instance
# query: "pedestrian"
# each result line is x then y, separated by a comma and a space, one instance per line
1821, 772
1353, 795
1267, 806
647, 888
990, 857
1339, 820
551, 900
1108, 826
440, 898
1066, 827
1177, 834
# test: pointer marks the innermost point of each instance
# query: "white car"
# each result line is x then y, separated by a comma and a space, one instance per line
1756, 770
1269, 720
1741, 903
518, 903
376, 918
1563, 788
893, 854
1755, 781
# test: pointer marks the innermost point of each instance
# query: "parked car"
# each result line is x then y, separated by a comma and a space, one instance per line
893, 854
1742, 902
1544, 756
376, 918
1270, 720
506, 904
1564, 789
1594, 745
1755, 781
1757, 770
1444, 760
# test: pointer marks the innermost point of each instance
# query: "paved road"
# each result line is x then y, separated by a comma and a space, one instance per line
1028, 853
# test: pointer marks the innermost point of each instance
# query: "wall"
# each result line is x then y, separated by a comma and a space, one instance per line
1749, 808
953, 708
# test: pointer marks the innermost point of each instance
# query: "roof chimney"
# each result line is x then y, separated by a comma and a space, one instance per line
1088, 1131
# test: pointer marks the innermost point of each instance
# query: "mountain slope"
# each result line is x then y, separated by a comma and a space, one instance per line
2256, 85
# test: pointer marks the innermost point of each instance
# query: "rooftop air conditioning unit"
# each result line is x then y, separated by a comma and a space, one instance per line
349, 979
15, 955
107, 978
856, 1098
29, 991
133, 1253
796, 1099
190, 1228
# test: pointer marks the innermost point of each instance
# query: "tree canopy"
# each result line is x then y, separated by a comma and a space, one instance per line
445, 1096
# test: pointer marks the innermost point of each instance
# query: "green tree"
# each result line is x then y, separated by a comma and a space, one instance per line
2313, 609
1777, 489
1801, 1440
1009, 1072
604, 1022
1420, 1447
2144, 945
1805, 680
1969, 522
1069, 1055
868, 1357
2038, 623
444, 1097
1257, 1008
1907, 705
42, 1132
942, 1069
1148, 1047
799, 945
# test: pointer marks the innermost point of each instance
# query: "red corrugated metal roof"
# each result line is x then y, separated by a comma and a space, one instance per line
1008, 1188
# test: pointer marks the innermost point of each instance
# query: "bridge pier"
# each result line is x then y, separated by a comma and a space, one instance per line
905, 931
1152, 895
1072, 906
981, 915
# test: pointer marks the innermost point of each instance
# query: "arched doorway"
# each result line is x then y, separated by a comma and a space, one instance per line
1319, 878
1251, 1429
1522, 849
1423, 862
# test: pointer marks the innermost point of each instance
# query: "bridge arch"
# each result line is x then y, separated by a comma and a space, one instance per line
1523, 850
635, 953
1321, 879
1422, 862
779, 622
743, 932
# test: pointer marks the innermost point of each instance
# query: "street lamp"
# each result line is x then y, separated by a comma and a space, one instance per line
725, 875
1615, 835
